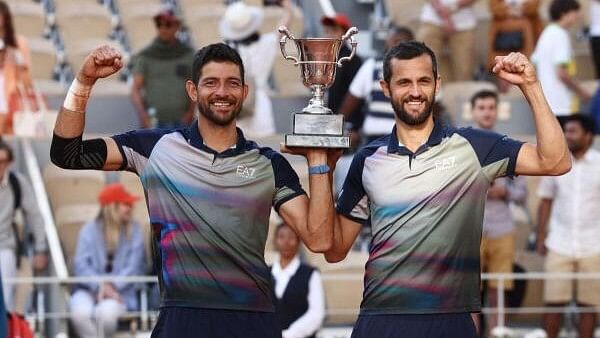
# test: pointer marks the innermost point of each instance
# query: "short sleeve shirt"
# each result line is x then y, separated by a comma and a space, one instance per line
426, 210
164, 83
553, 50
209, 213
574, 224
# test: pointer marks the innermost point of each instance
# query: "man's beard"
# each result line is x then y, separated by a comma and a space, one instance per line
216, 119
409, 119
575, 147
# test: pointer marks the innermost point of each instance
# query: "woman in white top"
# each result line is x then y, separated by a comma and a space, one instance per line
299, 301
240, 29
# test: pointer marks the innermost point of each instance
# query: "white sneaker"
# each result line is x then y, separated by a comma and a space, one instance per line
537, 333
502, 332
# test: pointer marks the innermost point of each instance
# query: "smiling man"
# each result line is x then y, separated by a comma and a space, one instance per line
424, 188
209, 193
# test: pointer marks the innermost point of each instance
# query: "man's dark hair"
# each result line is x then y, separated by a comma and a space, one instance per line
558, 8
406, 51
218, 52
587, 122
5, 146
483, 94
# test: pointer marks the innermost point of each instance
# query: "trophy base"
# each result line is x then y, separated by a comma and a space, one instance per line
317, 141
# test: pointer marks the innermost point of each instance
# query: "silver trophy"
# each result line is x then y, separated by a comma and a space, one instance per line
316, 125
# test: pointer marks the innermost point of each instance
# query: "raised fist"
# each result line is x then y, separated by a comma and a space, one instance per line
515, 68
100, 63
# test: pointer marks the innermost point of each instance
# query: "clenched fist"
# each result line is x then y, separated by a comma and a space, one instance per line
515, 68
100, 63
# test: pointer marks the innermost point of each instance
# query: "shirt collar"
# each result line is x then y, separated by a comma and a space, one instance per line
289, 270
435, 138
192, 134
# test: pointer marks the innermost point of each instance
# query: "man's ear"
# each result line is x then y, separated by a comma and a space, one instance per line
191, 89
385, 87
246, 91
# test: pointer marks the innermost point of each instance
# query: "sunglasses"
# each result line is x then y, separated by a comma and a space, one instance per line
165, 24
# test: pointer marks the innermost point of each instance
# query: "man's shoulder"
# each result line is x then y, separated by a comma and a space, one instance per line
372, 147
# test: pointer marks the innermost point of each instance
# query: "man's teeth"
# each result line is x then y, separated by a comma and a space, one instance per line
222, 104
414, 102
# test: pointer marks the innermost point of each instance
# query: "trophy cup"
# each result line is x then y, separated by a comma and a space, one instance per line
316, 125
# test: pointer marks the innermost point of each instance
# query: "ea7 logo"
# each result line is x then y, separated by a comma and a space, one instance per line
244, 171
445, 164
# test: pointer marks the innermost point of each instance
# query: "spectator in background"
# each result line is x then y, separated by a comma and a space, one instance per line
16, 194
335, 27
569, 227
498, 238
554, 60
240, 29
515, 27
299, 299
595, 34
159, 74
15, 62
113, 245
451, 22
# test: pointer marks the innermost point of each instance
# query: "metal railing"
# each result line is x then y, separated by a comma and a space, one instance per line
145, 314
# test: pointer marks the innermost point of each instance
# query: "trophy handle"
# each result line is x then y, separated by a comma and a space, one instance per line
285, 36
349, 36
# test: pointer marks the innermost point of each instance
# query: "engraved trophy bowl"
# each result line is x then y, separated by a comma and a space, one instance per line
317, 125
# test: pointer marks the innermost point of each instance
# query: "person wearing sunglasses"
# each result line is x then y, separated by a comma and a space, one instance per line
159, 74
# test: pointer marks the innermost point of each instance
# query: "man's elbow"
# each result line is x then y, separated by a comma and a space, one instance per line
56, 158
560, 168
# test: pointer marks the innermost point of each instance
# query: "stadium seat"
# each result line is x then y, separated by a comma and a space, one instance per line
29, 18
137, 21
43, 59
203, 23
72, 17
68, 187
187, 5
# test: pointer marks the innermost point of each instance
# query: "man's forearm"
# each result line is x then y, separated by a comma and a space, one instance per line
551, 146
71, 117
68, 150
543, 216
321, 211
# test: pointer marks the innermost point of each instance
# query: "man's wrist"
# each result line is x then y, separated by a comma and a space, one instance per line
318, 169
77, 96
85, 80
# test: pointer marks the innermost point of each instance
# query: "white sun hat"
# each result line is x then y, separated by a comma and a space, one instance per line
240, 21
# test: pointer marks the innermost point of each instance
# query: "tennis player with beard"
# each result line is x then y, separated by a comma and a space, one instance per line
423, 187
209, 192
